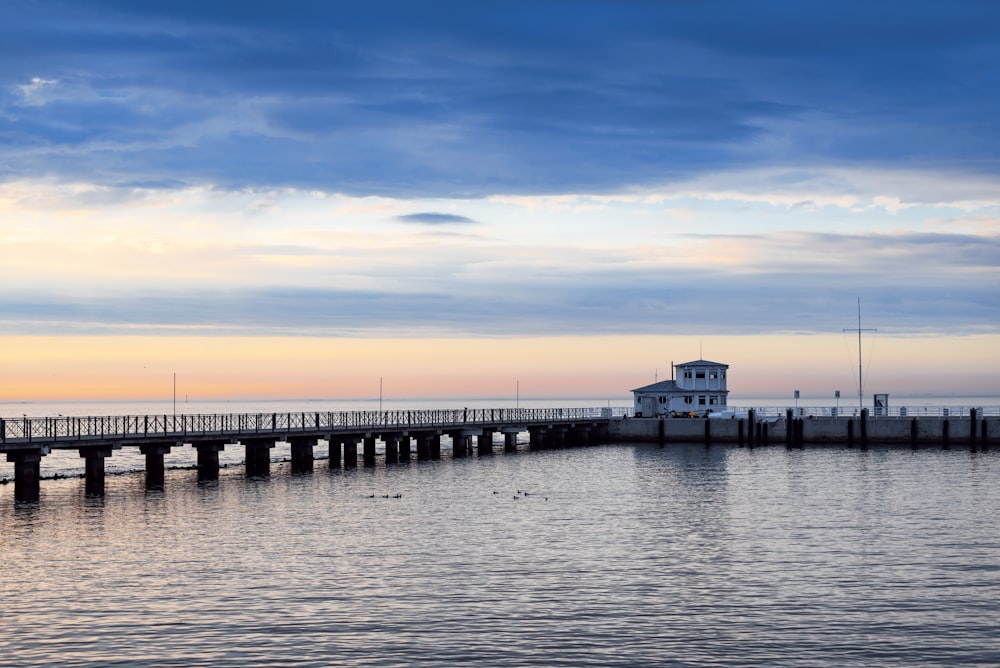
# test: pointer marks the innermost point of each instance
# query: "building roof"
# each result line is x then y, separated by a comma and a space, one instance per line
702, 363
662, 386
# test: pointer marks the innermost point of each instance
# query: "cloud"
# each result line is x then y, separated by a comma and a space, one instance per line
757, 284
476, 99
434, 219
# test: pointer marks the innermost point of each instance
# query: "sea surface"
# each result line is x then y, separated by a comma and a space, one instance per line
611, 555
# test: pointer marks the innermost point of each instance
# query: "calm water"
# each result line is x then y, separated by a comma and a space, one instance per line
624, 555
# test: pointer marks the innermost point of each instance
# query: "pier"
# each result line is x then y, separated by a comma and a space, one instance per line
26, 441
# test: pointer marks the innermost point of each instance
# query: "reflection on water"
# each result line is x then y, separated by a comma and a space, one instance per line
607, 556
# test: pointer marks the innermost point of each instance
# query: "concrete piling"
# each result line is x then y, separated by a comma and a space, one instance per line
27, 473
208, 460
94, 457
485, 443
335, 452
368, 445
944, 436
391, 449
510, 441
351, 453
258, 458
864, 428
154, 464
302, 455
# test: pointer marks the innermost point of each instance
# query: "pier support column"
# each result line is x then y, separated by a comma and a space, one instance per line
864, 428
424, 447
485, 442
208, 460
154, 464
751, 427
94, 457
27, 473
335, 456
392, 448
436, 446
302, 455
369, 450
351, 453
536, 438
258, 458
459, 445
404, 448
510, 441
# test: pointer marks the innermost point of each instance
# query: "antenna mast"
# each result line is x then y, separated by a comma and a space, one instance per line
861, 393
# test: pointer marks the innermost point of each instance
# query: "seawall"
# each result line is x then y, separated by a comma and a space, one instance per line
793, 431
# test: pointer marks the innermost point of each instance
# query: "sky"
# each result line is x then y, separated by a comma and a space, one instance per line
300, 199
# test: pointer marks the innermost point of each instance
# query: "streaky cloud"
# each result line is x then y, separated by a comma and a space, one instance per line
435, 219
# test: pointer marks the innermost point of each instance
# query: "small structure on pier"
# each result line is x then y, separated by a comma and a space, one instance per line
699, 387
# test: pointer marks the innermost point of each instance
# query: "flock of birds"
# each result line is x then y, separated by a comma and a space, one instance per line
521, 493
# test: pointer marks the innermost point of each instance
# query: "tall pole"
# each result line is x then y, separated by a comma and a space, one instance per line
175, 393
380, 394
861, 391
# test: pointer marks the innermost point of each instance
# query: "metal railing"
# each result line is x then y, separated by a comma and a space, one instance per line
874, 413
125, 427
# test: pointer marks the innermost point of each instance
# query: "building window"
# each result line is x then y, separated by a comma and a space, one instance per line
663, 400
687, 374
688, 400
700, 374
713, 401
713, 375
701, 400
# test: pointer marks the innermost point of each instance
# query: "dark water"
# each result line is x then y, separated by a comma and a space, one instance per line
617, 556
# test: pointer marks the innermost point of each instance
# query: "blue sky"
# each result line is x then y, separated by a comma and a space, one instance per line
498, 169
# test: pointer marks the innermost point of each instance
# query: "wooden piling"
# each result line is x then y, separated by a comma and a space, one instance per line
850, 433
864, 428
913, 433
740, 437
944, 435
751, 426
972, 428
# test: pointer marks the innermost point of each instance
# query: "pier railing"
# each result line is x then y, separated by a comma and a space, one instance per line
64, 428
873, 413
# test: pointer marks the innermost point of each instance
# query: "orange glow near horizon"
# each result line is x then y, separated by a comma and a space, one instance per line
43, 368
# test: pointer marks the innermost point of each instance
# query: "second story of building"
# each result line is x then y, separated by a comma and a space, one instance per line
701, 375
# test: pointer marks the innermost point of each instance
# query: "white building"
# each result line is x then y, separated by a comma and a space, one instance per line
699, 387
